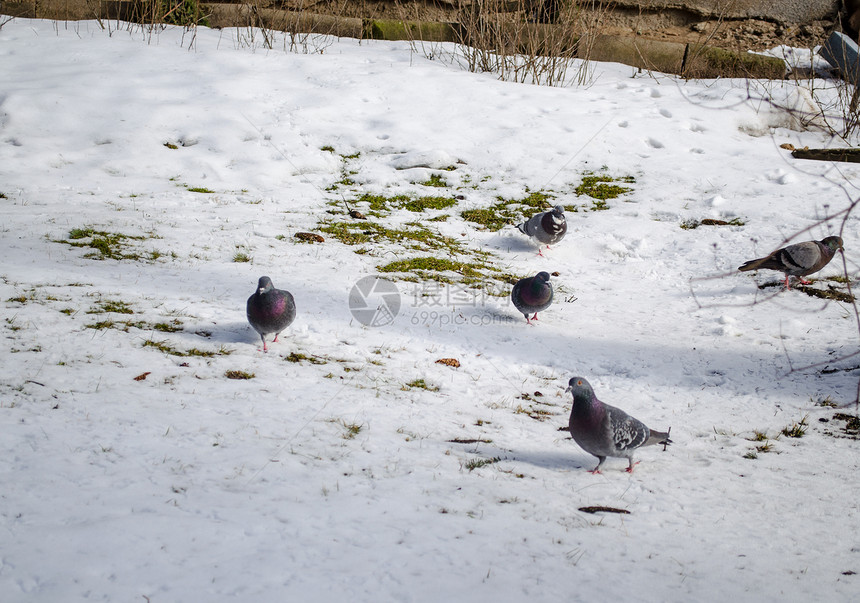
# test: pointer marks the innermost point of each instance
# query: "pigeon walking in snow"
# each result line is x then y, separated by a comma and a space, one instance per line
270, 310
547, 228
799, 259
533, 294
603, 430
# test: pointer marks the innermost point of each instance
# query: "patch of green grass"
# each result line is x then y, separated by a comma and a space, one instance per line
490, 218
163, 346
826, 402
435, 180
419, 384
20, 299
199, 189
106, 245
831, 293
327, 148
797, 429
433, 264
603, 187
115, 306
362, 232
350, 430
477, 463
423, 203
457, 263
766, 447
476, 275
103, 324
125, 325
241, 257
235, 374
508, 211
83, 233
299, 357
692, 224
348, 233
346, 179
168, 327
538, 414
380, 203
759, 436
537, 200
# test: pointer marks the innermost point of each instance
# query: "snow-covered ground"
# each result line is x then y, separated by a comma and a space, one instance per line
134, 469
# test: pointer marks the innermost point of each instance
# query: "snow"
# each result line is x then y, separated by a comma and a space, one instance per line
185, 485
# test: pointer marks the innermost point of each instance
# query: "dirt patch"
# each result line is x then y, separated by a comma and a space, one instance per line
668, 25
852, 424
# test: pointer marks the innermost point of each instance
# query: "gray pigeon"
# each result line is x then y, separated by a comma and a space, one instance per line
799, 259
533, 294
547, 228
270, 310
603, 430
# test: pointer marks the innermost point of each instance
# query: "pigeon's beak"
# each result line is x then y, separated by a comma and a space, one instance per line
569, 388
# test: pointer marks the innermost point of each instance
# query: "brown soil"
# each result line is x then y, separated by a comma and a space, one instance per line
674, 26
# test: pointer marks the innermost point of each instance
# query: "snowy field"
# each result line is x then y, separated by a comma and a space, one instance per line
146, 186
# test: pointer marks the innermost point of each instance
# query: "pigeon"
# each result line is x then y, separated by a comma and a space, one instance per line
533, 294
547, 228
799, 259
270, 310
603, 430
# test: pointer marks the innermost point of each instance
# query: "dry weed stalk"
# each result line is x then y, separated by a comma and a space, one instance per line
529, 41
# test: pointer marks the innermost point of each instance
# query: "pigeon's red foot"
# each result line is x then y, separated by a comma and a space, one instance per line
630, 468
535, 316
596, 472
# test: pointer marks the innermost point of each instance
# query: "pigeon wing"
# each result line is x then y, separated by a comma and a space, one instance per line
627, 433
801, 257
531, 227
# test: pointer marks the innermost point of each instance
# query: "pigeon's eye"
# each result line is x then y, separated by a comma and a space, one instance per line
579, 382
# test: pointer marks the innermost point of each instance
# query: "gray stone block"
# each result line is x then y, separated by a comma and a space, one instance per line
842, 52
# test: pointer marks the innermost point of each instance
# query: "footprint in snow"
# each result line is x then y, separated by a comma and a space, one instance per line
780, 176
665, 113
654, 143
